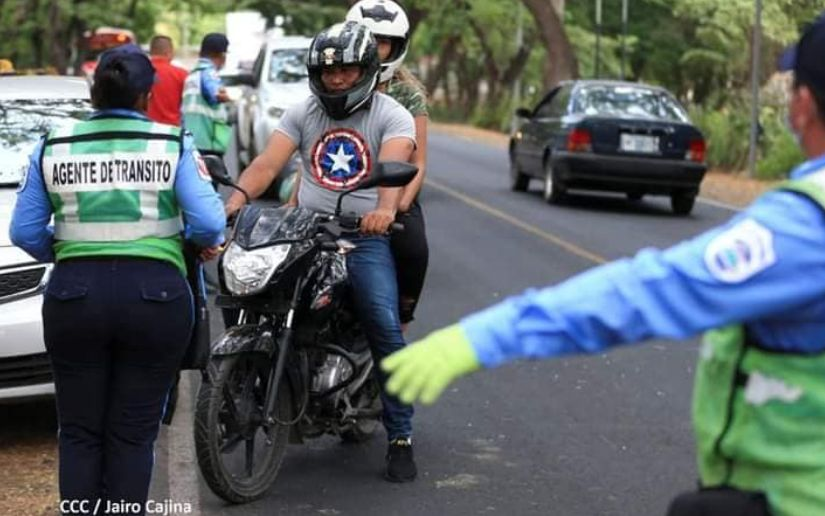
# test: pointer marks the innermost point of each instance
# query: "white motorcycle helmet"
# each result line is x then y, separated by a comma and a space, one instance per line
386, 19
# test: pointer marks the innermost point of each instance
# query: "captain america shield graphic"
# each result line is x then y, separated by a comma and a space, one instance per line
340, 159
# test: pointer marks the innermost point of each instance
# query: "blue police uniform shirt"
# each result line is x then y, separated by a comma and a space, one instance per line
764, 268
202, 208
210, 81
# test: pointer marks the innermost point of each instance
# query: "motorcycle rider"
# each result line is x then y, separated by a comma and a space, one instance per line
390, 26
754, 283
340, 130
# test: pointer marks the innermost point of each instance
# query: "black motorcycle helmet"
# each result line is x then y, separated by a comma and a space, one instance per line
348, 43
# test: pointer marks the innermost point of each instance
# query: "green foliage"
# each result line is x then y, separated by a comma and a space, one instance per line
726, 135
781, 152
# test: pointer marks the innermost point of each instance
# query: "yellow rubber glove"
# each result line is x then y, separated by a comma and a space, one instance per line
422, 370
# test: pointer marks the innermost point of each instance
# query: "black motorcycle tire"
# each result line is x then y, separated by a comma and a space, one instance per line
364, 430
207, 435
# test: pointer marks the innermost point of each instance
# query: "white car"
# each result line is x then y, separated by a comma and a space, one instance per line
279, 80
29, 107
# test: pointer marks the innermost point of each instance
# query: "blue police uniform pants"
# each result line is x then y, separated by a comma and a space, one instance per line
116, 330
371, 272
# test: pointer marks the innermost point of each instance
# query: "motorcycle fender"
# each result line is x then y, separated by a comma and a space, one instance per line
244, 339
250, 338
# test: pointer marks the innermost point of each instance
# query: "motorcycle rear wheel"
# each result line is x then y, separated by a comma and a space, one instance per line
228, 416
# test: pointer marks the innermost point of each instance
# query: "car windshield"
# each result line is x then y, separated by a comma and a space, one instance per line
288, 65
24, 122
628, 102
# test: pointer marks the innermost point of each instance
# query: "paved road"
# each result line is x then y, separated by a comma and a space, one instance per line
600, 435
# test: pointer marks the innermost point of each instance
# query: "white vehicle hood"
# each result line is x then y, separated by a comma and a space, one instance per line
284, 95
7, 198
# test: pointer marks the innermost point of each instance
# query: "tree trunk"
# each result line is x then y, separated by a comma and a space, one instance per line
444, 59
59, 42
562, 62
490, 65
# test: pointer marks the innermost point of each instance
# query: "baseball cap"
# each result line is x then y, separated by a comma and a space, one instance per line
214, 43
805, 58
140, 74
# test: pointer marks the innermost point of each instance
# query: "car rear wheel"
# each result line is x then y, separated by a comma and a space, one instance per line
518, 180
682, 203
554, 190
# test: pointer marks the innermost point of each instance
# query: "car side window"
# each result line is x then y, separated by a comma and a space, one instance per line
555, 104
543, 109
558, 107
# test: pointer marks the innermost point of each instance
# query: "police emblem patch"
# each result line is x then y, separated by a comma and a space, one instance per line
740, 252
203, 172
24, 178
340, 159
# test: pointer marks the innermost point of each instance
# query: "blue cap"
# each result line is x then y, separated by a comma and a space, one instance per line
805, 58
214, 43
140, 74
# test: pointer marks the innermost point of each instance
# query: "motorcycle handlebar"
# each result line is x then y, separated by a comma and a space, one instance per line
353, 223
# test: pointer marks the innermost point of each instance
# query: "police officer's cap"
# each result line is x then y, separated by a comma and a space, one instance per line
214, 43
805, 58
140, 74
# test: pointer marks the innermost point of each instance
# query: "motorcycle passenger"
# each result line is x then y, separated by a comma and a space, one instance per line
755, 284
117, 310
390, 26
340, 130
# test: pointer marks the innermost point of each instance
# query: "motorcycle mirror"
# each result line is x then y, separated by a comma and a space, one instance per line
217, 170
390, 174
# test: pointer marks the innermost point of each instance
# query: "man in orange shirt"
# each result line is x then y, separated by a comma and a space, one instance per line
164, 103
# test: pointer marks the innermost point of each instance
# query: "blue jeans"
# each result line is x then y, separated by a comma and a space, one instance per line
375, 290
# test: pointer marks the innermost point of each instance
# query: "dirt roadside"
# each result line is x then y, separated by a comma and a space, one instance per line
28, 454
732, 189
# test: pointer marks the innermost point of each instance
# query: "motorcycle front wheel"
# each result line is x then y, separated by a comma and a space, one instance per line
237, 458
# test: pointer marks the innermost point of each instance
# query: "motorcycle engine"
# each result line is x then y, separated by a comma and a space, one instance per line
334, 370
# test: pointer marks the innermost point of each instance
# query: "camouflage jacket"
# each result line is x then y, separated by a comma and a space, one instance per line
408, 95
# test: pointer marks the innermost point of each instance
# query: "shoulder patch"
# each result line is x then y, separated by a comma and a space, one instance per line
24, 178
740, 252
203, 172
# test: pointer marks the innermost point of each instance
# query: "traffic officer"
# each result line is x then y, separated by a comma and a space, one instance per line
117, 311
203, 106
754, 284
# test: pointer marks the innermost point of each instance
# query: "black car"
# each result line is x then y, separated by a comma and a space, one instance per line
611, 136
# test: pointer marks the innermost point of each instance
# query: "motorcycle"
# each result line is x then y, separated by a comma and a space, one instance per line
297, 365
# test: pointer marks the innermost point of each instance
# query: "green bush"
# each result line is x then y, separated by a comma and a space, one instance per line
780, 152
726, 134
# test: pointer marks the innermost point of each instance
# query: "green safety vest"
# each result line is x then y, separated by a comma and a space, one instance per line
759, 415
111, 185
208, 124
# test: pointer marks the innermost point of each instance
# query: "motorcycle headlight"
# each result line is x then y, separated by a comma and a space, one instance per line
248, 272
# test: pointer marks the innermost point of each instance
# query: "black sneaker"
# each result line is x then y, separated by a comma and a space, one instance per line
400, 463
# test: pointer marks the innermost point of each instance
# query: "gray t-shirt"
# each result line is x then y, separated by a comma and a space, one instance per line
338, 154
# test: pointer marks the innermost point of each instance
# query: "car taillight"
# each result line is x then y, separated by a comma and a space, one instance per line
696, 150
579, 140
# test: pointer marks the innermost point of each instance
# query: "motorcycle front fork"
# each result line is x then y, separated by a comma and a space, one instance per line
284, 345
